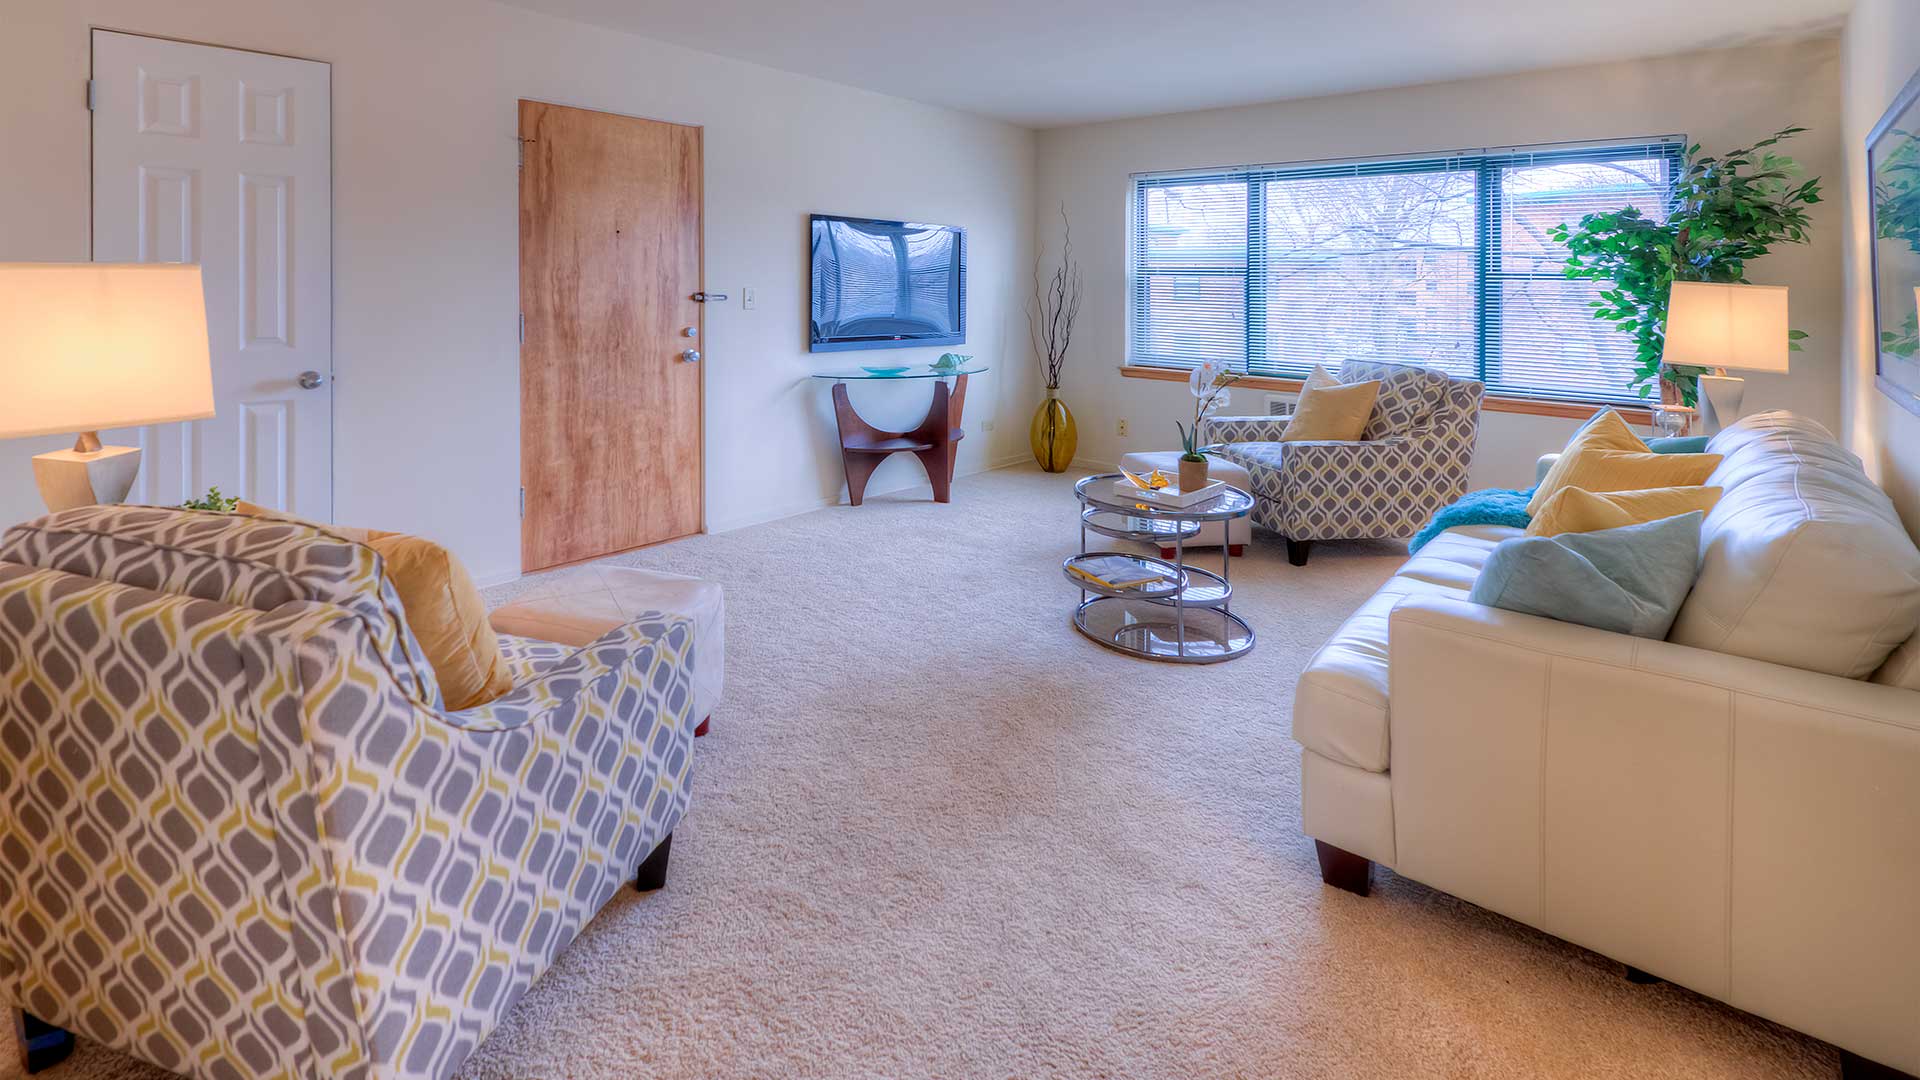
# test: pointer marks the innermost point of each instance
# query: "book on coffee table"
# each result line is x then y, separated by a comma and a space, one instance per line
1118, 571
1170, 497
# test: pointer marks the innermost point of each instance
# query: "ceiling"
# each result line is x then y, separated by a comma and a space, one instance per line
1047, 63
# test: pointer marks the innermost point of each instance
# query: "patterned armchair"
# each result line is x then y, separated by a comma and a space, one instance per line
1411, 460
244, 838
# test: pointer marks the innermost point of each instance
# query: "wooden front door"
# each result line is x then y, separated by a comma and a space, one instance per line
610, 380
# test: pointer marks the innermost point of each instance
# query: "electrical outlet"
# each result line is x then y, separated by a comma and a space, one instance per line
986, 425
1121, 428
747, 298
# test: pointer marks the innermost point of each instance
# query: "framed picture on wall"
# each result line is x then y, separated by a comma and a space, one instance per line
1893, 163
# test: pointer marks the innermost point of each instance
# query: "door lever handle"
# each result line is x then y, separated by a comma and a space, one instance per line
710, 297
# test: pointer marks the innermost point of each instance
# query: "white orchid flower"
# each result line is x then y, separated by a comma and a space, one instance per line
1204, 376
1219, 402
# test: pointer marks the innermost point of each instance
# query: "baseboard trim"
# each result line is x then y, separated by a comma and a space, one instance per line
808, 506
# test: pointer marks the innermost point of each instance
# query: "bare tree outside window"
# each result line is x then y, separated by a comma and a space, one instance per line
1446, 263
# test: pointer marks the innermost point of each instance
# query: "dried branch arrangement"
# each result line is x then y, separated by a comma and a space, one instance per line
1054, 307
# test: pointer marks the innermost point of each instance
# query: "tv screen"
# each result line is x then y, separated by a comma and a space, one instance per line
887, 284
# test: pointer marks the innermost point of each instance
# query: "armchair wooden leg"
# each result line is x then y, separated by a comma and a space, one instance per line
1855, 1067
46, 1045
1343, 869
653, 872
702, 729
1236, 550
1643, 977
1297, 551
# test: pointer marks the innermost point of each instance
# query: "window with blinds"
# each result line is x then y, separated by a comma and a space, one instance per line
1442, 260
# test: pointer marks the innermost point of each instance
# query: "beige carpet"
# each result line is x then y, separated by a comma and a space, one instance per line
935, 833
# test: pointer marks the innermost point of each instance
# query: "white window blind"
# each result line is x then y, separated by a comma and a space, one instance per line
1442, 260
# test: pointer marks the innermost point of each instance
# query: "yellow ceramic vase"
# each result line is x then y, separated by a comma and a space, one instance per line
1053, 435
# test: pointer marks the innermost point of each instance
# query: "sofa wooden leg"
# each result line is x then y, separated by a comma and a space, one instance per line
46, 1045
1166, 553
1855, 1067
1343, 869
653, 872
1297, 551
1236, 550
1637, 975
702, 729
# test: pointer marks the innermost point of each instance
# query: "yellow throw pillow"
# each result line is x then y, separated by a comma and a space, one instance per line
1606, 455
1331, 413
446, 614
1606, 431
1621, 470
443, 609
255, 510
1577, 510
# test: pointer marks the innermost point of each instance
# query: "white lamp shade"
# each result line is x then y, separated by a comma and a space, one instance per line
85, 346
1743, 327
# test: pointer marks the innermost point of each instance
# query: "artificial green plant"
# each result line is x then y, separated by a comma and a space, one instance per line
1727, 210
223, 504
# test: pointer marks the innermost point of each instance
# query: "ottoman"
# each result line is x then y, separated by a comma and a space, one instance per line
1235, 533
573, 607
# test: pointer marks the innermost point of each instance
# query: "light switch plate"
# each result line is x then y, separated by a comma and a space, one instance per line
746, 297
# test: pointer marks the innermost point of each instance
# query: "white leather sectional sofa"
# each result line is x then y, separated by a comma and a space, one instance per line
1735, 809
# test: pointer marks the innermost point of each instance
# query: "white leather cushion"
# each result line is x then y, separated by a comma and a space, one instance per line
1804, 561
1340, 702
1902, 669
1455, 557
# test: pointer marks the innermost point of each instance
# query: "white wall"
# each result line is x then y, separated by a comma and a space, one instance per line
1720, 98
1880, 52
425, 241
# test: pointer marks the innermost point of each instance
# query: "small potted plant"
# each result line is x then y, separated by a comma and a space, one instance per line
1208, 384
216, 502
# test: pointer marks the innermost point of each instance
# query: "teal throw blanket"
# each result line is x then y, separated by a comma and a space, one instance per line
1489, 506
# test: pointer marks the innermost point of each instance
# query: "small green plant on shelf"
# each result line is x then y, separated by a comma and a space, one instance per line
218, 503
1727, 210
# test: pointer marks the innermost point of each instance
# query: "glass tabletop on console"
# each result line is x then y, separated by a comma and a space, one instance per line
899, 371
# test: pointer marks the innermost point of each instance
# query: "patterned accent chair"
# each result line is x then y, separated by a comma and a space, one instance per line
244, 838
1411, 460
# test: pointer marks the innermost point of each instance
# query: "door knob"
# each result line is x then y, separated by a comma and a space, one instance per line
691, 356
312, 380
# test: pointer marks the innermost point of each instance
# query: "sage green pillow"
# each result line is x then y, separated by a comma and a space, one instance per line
1629, 580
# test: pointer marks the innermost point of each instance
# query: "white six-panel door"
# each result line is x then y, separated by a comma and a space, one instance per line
223, 157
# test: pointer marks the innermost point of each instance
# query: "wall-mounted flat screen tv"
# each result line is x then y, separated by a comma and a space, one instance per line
887, 284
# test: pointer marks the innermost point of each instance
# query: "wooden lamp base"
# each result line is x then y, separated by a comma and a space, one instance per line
70, 478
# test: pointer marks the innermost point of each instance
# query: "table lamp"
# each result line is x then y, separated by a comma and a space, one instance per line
1725, 327
85, 346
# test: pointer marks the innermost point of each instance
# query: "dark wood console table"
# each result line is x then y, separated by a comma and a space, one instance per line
935, 441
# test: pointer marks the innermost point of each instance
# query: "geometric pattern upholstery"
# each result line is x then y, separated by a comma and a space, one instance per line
1407, 397
237, 560
527, 658
1413, 459
238, 845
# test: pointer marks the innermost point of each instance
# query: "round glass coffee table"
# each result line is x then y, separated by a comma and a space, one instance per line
1184, 614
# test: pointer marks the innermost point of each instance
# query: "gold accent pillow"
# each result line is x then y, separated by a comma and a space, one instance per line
1607, 456
1331, 411
442, 605
1577, 510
